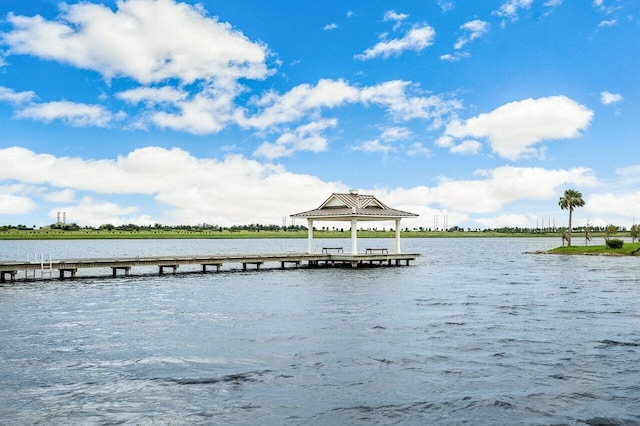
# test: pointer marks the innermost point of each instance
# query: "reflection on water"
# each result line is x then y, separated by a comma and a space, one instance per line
475, 331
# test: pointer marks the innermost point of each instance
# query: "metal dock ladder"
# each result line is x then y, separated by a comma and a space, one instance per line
46, 266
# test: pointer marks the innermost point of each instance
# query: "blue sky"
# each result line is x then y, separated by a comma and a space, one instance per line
235, 112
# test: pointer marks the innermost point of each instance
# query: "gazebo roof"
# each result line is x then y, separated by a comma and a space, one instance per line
353, 206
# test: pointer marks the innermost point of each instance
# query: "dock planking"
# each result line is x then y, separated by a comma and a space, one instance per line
9, 270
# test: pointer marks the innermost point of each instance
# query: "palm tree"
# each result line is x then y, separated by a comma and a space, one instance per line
634, 232
570, 201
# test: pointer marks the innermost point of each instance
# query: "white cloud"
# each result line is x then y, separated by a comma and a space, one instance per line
375, 146
385, 143
466, 147
75, 114
473, 30
454, 57
208, 111
417, 38
329, 27
418, 148
445, 5
153, 95
400, 99
391, 15
629, 171
295, 104
307, 137
395, 133
273, 150
64, 196
149, 41
625, 204
608, 98
509, 9
90, 211
11, 204
17, 98
609, 23
514, 128
552, 3
612, 7
396, 97
494, 189
445, 141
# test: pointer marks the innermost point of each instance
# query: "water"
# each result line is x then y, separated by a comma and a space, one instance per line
474, 332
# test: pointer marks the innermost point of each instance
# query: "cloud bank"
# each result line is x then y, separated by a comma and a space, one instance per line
197, 190
514, 129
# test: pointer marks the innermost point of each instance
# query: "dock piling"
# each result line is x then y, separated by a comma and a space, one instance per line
218, 265
12, 276
126, 269
173, 267
63, 271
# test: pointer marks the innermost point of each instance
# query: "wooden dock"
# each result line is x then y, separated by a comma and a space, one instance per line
10, 270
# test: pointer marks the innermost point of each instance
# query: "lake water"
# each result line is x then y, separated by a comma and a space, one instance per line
473, 332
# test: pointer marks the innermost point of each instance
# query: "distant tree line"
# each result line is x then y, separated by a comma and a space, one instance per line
255, 227
157, 227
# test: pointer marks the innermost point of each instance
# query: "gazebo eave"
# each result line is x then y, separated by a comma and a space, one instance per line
349, 218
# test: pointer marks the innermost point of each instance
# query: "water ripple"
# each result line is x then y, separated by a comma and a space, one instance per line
494, 336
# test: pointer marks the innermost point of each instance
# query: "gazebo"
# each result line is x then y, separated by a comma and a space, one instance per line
354, 207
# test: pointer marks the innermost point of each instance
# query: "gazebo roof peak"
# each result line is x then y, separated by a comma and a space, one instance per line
341, 206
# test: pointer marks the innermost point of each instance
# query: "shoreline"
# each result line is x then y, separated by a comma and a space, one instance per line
627, 250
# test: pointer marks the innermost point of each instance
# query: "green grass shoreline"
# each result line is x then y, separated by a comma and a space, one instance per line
83, 234
628, 249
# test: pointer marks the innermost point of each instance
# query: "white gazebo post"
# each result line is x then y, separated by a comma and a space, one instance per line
398, 236
310, 233
354, 236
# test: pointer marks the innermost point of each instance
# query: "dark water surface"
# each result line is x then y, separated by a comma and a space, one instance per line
474, 332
